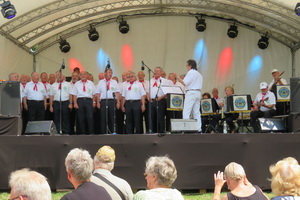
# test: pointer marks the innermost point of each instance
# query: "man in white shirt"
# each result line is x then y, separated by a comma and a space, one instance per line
158, 101
108, 101
145, 83
104, 161
61, 103
277, 80
73, 115
35, 100
193, 84
83, 98
45, 80
281, 107
264, 106
133, 104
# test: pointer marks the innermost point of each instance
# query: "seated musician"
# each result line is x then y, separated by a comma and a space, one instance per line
264, 106
204, 119
229, 117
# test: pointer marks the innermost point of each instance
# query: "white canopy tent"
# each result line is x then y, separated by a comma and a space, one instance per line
162, 33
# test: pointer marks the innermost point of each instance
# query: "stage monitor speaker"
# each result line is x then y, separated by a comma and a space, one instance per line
295, 94
271, 125
294, 122
40, 128
10, 104
184, 125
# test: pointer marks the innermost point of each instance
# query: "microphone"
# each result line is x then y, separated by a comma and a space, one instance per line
143, 66
63, 64
108, 64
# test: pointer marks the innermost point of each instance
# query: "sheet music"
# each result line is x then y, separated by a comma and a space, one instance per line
171, 89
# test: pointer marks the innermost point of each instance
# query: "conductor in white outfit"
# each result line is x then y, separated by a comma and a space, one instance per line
193, 84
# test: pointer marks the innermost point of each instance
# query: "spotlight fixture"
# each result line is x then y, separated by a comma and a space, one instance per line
64, 46
232, 31
297, 9
200, 25
93, 34
263, 42
123, 26
8, 10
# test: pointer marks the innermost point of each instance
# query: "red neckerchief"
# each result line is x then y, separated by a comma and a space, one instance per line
108, 84
24, 84
84, 82
263, 97
59, 84
35, 86
155, 84
45, 85
130, 85
143, 83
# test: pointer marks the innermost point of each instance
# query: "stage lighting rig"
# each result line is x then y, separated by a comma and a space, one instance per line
200, 25
93, 34
232, 31
263, 42
8, 10
297, 9
123, 26
64, 46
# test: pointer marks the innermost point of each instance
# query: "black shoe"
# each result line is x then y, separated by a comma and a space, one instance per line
199, 132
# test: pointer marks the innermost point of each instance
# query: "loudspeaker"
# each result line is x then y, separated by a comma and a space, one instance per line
295, 94
40, 128
10, 103
294, 122
271, 125
184, 125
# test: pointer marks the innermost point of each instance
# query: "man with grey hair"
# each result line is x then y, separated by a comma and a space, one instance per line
29, 185
79, 167
13, 77
104, 161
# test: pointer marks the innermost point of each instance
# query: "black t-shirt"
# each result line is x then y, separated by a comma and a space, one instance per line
87, 191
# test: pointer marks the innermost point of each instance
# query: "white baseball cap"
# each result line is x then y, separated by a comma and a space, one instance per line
274, 70
263, 85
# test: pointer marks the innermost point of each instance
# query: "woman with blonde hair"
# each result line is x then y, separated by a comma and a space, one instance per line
285, 181
238, 184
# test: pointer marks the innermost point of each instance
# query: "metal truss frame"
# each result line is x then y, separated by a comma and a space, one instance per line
259, 15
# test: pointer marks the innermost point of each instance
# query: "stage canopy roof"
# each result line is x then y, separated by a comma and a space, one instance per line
42, 23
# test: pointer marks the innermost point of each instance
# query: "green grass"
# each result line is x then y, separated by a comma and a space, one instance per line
207, 196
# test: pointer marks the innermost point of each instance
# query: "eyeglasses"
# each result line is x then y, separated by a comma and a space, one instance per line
130, 76
145, 174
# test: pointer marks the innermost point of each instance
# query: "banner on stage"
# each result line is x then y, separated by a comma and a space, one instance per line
283, 93
238, 103
209, 106
175, 102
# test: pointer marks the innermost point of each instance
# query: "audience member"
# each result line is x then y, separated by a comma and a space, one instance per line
79, 167
28, 185
104, 162
160, 174
285, 181
238, 184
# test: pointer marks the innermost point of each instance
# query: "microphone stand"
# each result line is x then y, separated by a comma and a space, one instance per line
149, 103
157, 105
107, 131
60, 86
114, 96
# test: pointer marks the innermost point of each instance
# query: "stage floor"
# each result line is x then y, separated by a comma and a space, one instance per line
196, 156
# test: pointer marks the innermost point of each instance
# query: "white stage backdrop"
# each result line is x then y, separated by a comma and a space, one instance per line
13, 59
168, 42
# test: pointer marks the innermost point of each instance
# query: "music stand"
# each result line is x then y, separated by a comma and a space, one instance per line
209, 108
239, 104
